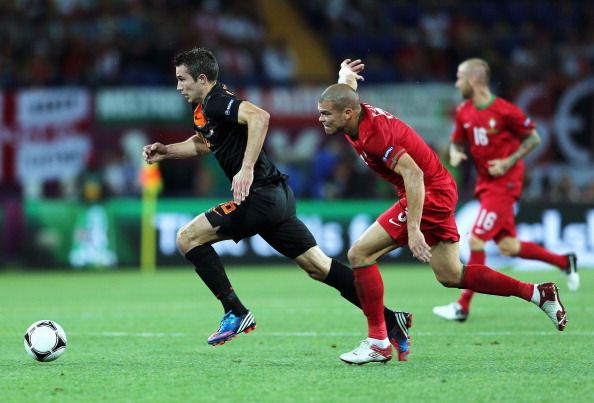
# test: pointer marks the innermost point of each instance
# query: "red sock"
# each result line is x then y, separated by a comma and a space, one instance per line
476, 257
485, 280
531, 250
370, 290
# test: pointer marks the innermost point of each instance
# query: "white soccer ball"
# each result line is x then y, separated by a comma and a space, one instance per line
45, 340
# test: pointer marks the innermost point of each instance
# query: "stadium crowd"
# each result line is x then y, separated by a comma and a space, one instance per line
94, 42
425, 40
98, 43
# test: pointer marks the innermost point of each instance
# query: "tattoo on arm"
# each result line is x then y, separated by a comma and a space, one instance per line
525, 148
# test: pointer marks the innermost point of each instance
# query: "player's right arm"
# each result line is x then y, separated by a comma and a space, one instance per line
457, 154
457, 141
192, 147
349, 72
414, 188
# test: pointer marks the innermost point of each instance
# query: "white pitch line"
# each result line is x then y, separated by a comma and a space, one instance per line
333, 334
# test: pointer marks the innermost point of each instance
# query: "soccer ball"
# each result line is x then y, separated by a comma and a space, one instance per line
45, 340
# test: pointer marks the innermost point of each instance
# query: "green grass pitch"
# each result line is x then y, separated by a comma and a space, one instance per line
142, 338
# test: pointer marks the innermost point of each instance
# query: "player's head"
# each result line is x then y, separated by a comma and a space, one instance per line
339, 109
196, 71
472, 73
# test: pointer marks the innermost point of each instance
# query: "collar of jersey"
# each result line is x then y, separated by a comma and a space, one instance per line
486, 104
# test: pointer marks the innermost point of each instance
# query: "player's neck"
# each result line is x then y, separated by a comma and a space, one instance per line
482, 97
207, 90
353, 130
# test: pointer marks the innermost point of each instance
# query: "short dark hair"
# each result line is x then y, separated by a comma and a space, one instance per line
199, 61
341, 96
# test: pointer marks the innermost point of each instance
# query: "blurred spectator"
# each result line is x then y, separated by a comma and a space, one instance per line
564, 190
425, 40
85, 42
130, 42
279, 62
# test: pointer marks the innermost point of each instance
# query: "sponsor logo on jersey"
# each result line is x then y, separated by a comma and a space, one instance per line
228, 110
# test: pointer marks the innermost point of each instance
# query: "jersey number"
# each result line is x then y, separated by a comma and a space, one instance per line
485, 221
480, 136
378, 111
228, 207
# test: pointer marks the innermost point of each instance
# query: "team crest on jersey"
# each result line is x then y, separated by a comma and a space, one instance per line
492, 126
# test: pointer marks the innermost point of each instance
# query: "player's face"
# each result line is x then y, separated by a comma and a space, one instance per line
333, 120
462, 83
192, 90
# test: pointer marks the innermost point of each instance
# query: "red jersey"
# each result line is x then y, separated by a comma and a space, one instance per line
493, 131
383, 139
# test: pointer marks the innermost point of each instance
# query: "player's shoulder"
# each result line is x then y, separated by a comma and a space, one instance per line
504, 107
464, 105
502, 102
219, 99
220, 90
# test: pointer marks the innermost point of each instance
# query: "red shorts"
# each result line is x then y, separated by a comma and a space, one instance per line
495, 219
438, 221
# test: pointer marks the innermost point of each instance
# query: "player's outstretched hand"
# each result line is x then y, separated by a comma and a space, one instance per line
154, 152
352, 68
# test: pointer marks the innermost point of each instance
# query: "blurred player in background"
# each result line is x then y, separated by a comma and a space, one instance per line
423, 218
499, 136
233, 130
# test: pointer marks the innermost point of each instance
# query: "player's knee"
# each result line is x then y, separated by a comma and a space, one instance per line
356, 256
476, 244
315, 273
312, 269
448, 281
180, 240
505, 251
315, 263
449, 277
185, 239
509, 248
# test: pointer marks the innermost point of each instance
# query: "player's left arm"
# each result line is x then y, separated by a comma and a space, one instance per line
256, 120
499, 167
415, 197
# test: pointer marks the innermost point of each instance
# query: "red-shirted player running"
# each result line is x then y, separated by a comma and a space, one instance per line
498, 135
423, 218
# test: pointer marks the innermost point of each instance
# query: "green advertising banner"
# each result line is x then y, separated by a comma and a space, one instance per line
70, 234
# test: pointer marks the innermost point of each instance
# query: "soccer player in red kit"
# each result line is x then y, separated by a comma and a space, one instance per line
498, 135
423, 217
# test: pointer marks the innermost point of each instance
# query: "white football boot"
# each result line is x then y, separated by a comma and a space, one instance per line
367, 352
548, 300
573, 278
451, 311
